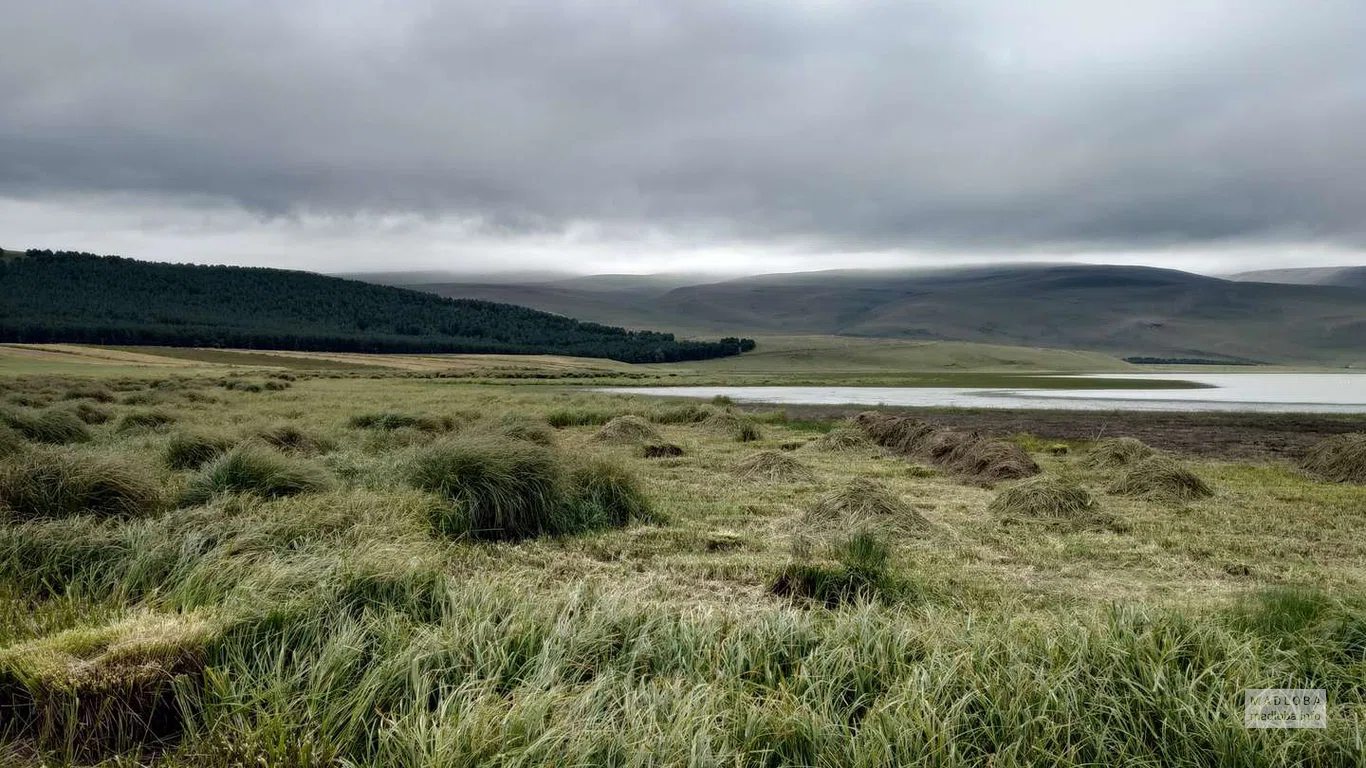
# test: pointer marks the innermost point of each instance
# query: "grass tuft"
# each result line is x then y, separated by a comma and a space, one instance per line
774, 466
63, 482
194, 450
89, 412
605, 495
502, 489
55, 426
255, 470
526, 430
1339, 459
143, 421
1049, 499
624, 430
1117, 452
864, 502
861, 571
291, 439
1159, 477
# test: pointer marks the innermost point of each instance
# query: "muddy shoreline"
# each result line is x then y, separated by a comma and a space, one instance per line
1245, 435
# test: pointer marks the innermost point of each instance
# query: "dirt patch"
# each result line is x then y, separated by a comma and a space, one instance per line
1246, 435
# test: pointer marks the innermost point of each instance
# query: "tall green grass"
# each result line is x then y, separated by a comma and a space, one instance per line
54, 426
255, 470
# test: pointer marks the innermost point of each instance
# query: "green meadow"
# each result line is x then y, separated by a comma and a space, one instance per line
360, 565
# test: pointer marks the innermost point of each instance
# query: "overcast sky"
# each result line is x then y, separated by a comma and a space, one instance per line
648, 135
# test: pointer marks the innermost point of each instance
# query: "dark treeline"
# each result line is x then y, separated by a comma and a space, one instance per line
48, 297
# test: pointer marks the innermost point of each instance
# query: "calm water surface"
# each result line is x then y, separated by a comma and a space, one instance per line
1276, 392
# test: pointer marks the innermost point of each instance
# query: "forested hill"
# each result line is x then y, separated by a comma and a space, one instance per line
83, 298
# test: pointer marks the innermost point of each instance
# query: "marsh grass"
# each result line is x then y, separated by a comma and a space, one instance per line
1339, 459
256, 470
501, 488
11, 442
526, 430
64, 482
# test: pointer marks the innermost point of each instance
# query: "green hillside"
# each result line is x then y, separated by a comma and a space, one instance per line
1121, 311
81, 298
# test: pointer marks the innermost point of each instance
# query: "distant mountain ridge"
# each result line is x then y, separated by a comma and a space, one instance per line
1345, 277
1125, 311
84, 298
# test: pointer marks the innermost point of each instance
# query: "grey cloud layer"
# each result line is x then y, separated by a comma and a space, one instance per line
860, 125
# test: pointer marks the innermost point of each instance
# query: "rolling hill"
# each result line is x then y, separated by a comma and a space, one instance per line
83, 298
1119, 310
1344, 277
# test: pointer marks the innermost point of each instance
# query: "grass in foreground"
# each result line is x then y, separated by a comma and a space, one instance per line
871, 614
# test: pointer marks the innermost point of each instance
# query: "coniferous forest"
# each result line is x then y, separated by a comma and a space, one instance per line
48, 297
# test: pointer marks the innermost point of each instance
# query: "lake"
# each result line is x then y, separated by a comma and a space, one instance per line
1275, 392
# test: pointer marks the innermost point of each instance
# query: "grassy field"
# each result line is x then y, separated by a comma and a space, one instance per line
294, 568
790, 360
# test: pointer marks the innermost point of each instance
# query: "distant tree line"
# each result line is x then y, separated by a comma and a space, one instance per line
49, 297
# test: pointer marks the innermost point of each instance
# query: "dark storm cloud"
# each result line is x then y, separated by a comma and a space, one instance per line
956, 125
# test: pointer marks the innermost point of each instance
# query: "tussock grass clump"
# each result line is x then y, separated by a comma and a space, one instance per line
390, 421
55, 426
605, 495
1339, 459
193, 450
861, 571
88, 392
292, 439
748, 432
902, 434
988, 460
526, 430
62, 482
840, 440
256, 470
89, 413
1117, 452
104, 690
1049, 499
864, 502
141, 421
660, 451
502, 489
774, 466
628, 429
1159, 477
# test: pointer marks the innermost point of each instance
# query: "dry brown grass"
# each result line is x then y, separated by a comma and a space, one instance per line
1340, 459
1161, 478
865, 502
968, 455
774, 466
1117, 452
841, 440
625, 430
1049, 499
